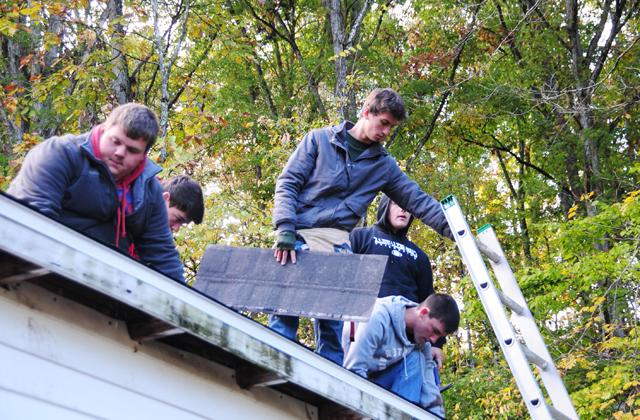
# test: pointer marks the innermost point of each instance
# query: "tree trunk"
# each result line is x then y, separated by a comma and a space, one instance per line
343, 49
13, 56
521, 195
120, 84
518, 196
166, 60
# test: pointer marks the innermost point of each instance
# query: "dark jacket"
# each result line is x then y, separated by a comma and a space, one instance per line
408, 270
321, 187
62, 178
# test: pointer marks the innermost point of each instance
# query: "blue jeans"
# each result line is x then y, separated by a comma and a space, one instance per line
430, 397
403, 377
328, 332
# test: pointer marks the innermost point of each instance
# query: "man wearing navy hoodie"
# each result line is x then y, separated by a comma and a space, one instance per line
102, 184
408, 270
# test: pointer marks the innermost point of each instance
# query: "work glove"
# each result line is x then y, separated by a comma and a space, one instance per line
286, 240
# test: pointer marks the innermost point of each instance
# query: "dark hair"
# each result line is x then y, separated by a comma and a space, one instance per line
136, 120
186, 195
443, 308
385, 100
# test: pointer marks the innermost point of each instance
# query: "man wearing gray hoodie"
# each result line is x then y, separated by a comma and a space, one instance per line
393, 349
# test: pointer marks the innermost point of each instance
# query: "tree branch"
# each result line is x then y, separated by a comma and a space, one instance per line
604, 52
445, 96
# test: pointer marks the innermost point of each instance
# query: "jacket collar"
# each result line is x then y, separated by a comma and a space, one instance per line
338, 138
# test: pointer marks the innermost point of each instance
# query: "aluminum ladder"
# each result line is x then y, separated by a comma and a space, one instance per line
518, 355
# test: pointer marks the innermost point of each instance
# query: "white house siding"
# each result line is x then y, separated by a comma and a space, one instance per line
61, 360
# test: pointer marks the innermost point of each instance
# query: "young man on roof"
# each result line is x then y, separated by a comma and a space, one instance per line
393, 349
184, 200
408, 270
102, 184
326, 187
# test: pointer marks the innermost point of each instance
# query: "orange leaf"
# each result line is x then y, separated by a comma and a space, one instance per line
25, 60
10, 104
11, 87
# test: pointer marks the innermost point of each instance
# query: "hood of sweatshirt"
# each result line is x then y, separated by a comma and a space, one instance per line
383, 222
396, 307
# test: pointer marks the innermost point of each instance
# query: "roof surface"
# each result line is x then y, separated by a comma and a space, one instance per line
40, 250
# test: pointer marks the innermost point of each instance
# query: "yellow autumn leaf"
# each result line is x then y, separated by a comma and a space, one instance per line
631, 196
7, 27
32, 11
57, 9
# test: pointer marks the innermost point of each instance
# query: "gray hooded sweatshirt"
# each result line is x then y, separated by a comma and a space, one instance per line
383, 341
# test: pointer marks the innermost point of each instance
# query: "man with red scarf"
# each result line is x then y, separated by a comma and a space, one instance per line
102, 184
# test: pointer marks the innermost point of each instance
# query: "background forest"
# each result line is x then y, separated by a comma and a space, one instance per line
527, 111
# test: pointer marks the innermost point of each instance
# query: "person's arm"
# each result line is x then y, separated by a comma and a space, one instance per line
408, 195
47, 171
356, 240
293, 178
430, 397
438, 356
367, 339
424, 276
155, 245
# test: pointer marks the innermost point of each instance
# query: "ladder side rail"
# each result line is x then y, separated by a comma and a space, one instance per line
511, 347
527, 325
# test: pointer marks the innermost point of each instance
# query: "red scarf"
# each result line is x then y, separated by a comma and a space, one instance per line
125, 183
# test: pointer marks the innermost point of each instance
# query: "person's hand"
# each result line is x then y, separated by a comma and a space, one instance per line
438, 356
282, 255
285, 247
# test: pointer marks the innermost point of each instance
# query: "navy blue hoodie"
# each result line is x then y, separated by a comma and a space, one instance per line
408, 271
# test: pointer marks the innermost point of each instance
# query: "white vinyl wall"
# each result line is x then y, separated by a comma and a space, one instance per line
61, 360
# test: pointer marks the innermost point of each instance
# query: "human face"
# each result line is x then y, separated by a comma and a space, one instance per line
377, 127
397, 217
427, 328
177, 217
120, 153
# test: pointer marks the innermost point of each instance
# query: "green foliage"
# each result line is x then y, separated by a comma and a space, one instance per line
586, 301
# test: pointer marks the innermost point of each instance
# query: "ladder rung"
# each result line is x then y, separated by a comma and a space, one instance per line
534, 358
510, 303
487, 252
557, 414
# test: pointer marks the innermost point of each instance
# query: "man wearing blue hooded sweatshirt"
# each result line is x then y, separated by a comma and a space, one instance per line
393, 349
